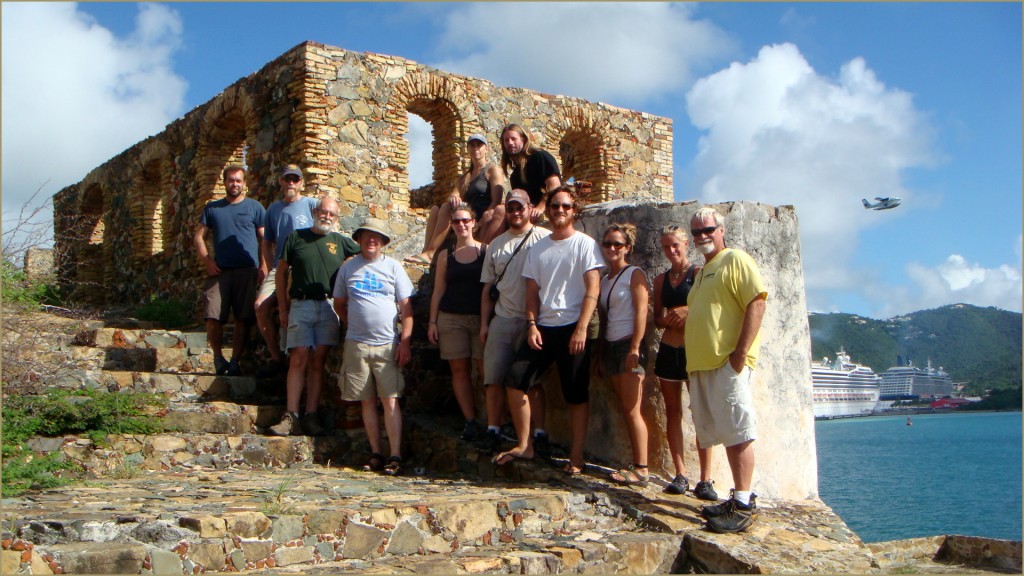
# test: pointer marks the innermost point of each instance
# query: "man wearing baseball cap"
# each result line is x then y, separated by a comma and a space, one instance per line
504, 334
292, 212
367, 290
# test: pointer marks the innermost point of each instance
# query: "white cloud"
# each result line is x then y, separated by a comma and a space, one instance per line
954, 280
74, 94
421, 140
776, 131
622, 53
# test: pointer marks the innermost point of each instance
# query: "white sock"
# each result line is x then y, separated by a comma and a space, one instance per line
493, 429
538, 431
743, 497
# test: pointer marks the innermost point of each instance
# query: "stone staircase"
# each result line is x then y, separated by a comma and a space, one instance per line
213, 494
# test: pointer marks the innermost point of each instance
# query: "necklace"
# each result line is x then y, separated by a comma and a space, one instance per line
677, 275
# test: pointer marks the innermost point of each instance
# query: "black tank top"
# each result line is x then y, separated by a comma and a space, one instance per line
673, 297
478, 193
462, 285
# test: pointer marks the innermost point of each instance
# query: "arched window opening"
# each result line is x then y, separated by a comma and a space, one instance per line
445, 148
580, 156
420, 168
148, 211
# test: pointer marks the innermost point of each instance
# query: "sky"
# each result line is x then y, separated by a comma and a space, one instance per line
814, 105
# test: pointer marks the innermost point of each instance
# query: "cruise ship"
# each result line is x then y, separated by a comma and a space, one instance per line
912, 382
842, 388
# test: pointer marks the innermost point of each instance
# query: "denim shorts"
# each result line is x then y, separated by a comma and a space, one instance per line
312, 323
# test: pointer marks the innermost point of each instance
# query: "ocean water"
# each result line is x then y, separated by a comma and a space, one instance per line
946, 474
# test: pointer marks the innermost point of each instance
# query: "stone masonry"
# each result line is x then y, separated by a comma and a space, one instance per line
123, 234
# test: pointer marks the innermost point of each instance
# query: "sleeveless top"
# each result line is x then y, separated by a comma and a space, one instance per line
616, 301
478, 193
462, 285
673, 297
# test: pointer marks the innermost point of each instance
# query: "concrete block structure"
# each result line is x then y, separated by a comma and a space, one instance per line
123, 234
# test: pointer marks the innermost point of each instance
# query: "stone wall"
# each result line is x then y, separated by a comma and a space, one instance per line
785, 452
124, 233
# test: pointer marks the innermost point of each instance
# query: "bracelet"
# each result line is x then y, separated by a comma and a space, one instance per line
531, 322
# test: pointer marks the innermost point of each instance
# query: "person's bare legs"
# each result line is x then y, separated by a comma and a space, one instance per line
741, 462
519, 408
371, 422
315, 378
629, 390
494, 396
703, 454
438, 223
393, 424
267, 327
579, 415
672, 392
296, 379
238, 339
462, 385
215, 336
492, 223
537, 407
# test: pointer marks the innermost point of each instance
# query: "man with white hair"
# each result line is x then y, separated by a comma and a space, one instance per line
726, 306
311, 257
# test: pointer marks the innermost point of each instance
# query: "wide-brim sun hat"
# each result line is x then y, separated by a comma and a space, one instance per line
374, 225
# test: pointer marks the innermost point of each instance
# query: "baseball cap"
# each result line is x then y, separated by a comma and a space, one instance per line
478, 137
291, 169
518, 195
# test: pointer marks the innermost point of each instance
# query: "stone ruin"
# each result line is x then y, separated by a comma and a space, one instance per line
124, 233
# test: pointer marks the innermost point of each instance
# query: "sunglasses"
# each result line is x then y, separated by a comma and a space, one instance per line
700, 231
556, 206
514, 208
461, 220
610, 244
292, 178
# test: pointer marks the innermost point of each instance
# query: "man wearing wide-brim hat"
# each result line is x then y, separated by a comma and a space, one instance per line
367, 290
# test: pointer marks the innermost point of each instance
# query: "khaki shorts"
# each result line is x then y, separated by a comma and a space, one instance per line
370, 372
504, 337
722, 406
234, 290
268, 287
458, 336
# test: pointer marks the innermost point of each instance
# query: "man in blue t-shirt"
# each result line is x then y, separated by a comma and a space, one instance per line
236, 223
292, 212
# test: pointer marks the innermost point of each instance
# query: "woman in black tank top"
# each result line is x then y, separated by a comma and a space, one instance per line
455, 311
671, 289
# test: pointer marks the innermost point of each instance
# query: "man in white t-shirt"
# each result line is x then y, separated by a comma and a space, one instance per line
503, 334
372, 291
562, 285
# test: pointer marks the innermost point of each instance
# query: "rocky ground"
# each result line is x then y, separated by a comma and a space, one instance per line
216, 495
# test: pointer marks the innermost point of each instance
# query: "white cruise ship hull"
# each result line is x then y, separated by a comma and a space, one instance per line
842, 388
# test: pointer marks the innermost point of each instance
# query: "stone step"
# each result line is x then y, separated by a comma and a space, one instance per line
264, 519
194, 387
140, 338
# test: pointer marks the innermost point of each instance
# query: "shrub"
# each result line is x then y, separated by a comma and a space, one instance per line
169, 313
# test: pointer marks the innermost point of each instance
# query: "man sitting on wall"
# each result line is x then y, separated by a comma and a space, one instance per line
232, 275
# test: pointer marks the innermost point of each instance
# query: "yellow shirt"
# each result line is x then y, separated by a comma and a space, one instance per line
718, 302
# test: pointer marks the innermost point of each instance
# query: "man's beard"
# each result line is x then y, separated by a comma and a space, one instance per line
705, 248
322, 227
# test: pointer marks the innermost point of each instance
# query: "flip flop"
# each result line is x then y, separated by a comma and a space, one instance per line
417, 259
505, 458
572, 470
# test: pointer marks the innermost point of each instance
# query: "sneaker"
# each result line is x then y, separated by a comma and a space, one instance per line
489, 442
233, 368
713, 510
508, 432
542, 445
678, 485
220, 365
736, 519
286, 427
311, 425
471, 429
705, 490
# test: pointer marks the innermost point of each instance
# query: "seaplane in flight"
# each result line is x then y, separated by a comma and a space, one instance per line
883, 203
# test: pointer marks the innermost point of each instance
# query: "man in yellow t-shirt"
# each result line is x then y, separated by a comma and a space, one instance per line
726, 305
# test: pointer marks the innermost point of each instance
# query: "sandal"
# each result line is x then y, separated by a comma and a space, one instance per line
623, 476
394, 464
374, 464
571, 469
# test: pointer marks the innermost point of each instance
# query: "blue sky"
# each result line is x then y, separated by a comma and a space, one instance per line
808, 104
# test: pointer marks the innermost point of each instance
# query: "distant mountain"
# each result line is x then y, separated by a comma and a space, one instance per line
979, 346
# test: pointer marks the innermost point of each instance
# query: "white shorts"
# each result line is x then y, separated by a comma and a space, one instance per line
722, 406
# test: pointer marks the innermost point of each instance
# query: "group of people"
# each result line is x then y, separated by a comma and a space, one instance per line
512, 298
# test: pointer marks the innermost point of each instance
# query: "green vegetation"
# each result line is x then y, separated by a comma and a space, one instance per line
276, 505
20, 291
1006, 399
169, 313
979, 346
62, 412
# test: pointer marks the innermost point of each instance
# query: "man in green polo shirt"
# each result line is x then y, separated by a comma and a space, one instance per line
311, 257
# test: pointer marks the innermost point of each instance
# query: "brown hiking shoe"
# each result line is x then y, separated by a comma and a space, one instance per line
288, 426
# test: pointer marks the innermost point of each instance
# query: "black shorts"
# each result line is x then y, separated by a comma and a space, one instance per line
671, 363
573, 369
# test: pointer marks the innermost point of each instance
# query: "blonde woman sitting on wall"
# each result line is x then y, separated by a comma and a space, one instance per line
482, 187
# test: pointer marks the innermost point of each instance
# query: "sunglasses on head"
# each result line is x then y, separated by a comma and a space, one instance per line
700, 231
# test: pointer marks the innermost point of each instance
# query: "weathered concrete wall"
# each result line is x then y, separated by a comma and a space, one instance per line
785, 452
124, 232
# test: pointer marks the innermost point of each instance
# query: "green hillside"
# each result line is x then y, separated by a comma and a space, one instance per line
979, 346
